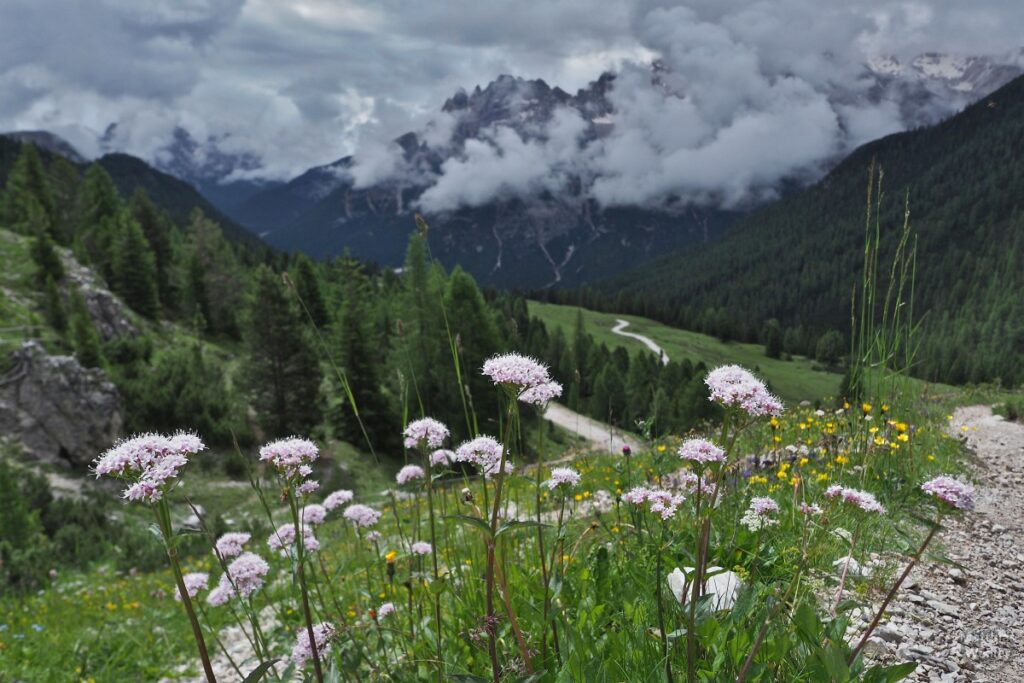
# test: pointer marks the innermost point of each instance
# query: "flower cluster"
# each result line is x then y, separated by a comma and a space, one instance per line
244, 575
302, 652
151, 461
701, 451
861, 499
441, 458
485, 453
563, 476
409, 473
230, 544
314, 514
385, 609
337, 499
759, 515
542, 394
662, 503
763, 506
291, 456
950, 491
810, 509
427, 432
282, 539
731, 385
421, 548
194, 582
361, 516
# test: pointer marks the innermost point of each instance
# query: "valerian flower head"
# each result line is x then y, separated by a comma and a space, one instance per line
150, 462
421, 548
291, 456
542, 394
485, 453
442, 457
409, 473
731, 385
701, 451
763, 506
860, 499
361, 516
230, 544
314, 514
950, 491
194, 582
337, 499
385, 609
425, 433
516, 371
282, 539
246, 572
565, 477
303, 652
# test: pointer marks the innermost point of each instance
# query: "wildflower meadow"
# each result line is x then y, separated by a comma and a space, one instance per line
720, 555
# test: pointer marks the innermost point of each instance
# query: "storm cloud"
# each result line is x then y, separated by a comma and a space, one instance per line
746, 92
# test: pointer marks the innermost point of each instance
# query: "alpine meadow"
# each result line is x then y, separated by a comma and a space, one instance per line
618, 342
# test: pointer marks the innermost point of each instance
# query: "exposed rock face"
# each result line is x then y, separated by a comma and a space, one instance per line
57, 410
108, 313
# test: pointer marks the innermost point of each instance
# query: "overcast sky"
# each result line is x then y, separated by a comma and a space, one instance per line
304, 82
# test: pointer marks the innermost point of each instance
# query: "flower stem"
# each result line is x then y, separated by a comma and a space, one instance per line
661, 612
300, 547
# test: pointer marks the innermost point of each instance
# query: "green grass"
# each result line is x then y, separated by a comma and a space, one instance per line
794, 380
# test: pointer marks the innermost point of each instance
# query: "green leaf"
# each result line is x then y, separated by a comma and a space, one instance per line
889, 674
476, 522
259, 672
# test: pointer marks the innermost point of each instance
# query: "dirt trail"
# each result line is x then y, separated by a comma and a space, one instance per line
599, 434
966, 623
621, 325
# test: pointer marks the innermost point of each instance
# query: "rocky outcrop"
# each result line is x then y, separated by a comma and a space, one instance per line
109, 315
57, 410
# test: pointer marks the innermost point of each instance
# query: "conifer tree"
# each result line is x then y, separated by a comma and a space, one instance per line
307, 285
48, 265
361, 361
83, 333
283, 371
97, 205
771, 337
134, 267
27, 198
53, 307
156, 227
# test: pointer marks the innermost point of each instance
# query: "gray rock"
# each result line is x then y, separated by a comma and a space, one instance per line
109, 315
58, 411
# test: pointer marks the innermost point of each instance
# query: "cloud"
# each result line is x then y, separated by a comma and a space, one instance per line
751, 90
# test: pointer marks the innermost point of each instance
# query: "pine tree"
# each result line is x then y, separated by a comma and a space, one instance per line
48, 265
83, 333
64, 179
361, 361
134, 267
27, 188
283, 371
97, 206
156, 227
307, 285
771, 337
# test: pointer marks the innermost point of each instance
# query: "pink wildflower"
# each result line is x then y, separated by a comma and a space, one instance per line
763, 506
542, 394
427, 432
247, 572
485, 453
861, 499
810, 509
421, 548
701, 451
303, 652
314, 514
290, 456
230, 544
441, 457
337, 499
950, 491
152, 462
731, 385
515, 370
563, 476
361, 516
283, 539
194, 582
408, 474
385, 609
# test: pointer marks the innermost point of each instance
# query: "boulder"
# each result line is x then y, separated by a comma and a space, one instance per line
57, 410
109, 315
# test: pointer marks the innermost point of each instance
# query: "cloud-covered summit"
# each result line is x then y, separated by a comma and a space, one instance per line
712, 100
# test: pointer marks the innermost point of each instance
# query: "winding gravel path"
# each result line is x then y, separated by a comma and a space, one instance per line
599, 434
621, 325
966, 623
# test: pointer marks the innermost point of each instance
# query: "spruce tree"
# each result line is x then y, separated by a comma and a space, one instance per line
361, 361
83, 333
156, 227
97, 206
771, 337
28, 189
134, 267
48, 265
283, 371
307, 285
53, 307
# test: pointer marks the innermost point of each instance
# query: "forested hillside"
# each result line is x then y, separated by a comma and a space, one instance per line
240, 341
797, 261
